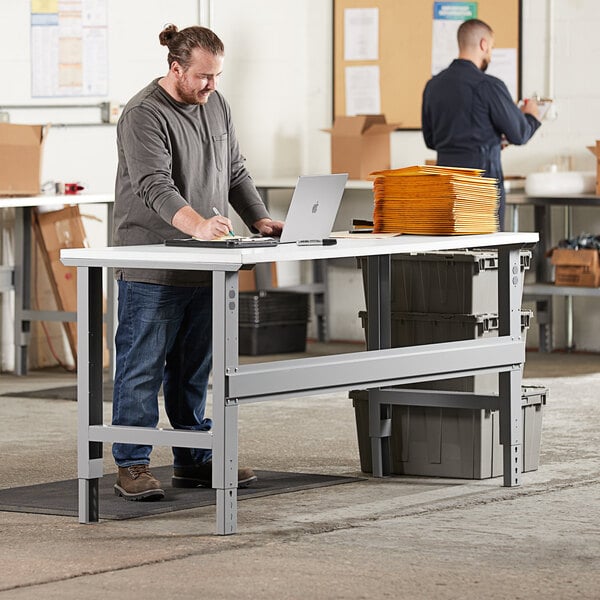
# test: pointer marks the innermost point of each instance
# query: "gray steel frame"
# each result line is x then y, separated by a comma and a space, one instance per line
375, 369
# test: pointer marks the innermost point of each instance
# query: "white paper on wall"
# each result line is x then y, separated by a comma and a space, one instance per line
363, 96
361, 34
69, 48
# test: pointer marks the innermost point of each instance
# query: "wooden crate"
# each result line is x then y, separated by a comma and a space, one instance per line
579, 268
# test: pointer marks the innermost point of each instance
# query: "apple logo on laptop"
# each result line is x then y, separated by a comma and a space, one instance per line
315, 207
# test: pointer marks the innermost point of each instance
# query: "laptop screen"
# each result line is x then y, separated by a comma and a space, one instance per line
314, 206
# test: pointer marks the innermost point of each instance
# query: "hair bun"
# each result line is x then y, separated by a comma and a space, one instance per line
167, 34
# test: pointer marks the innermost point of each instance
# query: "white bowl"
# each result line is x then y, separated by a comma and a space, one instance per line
560, 182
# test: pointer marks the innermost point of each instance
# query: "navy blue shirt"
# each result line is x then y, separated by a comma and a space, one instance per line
465, 113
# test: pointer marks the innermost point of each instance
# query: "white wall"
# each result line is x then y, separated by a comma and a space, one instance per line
278, 79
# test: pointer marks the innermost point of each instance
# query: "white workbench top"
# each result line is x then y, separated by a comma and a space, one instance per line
230, 259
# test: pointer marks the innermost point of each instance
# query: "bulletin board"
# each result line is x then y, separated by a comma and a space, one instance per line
405, 51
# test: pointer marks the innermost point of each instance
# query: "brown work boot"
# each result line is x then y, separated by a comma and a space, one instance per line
137, 483
201, 476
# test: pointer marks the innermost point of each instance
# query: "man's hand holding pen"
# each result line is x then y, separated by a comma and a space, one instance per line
213, 228
224, 221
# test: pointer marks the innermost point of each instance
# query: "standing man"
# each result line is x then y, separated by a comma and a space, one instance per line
179, 169
466, 114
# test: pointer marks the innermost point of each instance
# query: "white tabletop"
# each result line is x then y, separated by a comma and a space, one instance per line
285, 183
49, 201
230, 259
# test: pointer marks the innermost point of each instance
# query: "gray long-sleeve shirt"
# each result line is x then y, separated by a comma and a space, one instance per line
173, 155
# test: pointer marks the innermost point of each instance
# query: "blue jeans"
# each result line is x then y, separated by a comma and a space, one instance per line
164, 337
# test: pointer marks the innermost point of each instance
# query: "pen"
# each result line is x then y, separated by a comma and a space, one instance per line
218, 215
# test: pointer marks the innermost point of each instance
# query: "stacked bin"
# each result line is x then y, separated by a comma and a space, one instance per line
415, 329
451, 442
272, 322
440, 297
443, 297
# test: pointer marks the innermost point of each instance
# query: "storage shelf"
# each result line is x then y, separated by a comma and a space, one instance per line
545, 291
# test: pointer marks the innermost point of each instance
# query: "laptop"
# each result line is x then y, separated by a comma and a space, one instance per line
310, 217
314, 206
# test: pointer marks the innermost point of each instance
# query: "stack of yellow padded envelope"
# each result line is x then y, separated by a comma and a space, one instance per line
431, 200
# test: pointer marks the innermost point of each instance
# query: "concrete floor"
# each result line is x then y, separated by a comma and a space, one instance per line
399, 537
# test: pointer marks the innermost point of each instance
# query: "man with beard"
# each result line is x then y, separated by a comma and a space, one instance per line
467, 115
179, 169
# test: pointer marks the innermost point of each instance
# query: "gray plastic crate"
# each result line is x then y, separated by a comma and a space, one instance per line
460, 282
451, 442
272, 338
273, 306
272, 322
412, 329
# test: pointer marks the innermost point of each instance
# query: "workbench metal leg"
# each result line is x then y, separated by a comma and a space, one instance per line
379, 337
509, 312
22, 286
568, 234
110, 297
543, 316
89, 389
515, 217
511, 426
321, 299
380, 431
543, 274
225, 409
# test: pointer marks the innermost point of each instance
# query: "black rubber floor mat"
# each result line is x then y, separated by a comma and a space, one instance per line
60, 497
67, 392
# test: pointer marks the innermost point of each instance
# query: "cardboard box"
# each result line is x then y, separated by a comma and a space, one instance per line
579, 268
360, 144
248, 278
595, 150
21, 159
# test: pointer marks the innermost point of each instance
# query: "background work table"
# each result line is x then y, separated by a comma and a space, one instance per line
543, 289
18, 277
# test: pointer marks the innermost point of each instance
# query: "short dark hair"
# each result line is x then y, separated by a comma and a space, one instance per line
182, 43
471, 31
